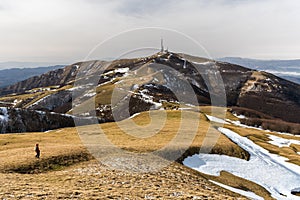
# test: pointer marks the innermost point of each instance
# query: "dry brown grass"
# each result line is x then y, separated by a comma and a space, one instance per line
31, 98
90, 180
19, 147
65, 160
169, 131
17, 150
66, 174
219, 112
240, 183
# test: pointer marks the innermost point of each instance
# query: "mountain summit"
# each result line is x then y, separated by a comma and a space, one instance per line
157, 79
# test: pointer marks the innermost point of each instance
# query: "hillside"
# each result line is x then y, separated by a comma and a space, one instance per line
266, 100
14, 75
67, 170
169, 94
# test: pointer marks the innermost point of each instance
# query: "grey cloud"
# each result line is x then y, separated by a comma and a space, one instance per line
65, 31
144, 7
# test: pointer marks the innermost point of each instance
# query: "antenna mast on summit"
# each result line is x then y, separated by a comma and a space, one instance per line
162, 44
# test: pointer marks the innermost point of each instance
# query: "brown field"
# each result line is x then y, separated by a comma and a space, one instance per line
66, 170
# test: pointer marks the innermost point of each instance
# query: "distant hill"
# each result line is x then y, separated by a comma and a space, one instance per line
14, 75
15, 64
287, 69
245, 88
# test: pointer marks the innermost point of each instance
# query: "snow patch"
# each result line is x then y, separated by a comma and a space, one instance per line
122, 70
76, 88
135, 87
40, 100
248, 194
238, 123
271, 171
203, 63
239, 116
86, 114
282, 142
184, 64
40, 112
90, 94
134, 115
16, 101
289, 134
3, 114
191, 105
148, 99
216, 119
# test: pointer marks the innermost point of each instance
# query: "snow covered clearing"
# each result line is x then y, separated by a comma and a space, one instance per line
268, 170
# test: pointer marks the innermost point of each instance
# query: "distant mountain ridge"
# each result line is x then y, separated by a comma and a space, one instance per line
287, 69
18, 64
14, 75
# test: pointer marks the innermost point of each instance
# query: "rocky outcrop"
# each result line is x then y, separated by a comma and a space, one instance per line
60, 102
25, 120
19, 120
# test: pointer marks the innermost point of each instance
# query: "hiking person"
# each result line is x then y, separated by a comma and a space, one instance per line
37, 150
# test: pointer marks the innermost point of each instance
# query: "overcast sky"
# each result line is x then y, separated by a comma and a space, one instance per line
65, 31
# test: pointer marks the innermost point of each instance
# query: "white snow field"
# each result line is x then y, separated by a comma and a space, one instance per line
271, 171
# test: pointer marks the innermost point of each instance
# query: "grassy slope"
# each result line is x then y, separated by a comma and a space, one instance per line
63, 155
69, 171
25, 100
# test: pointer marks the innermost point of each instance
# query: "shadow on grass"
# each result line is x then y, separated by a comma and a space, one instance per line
50, 164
